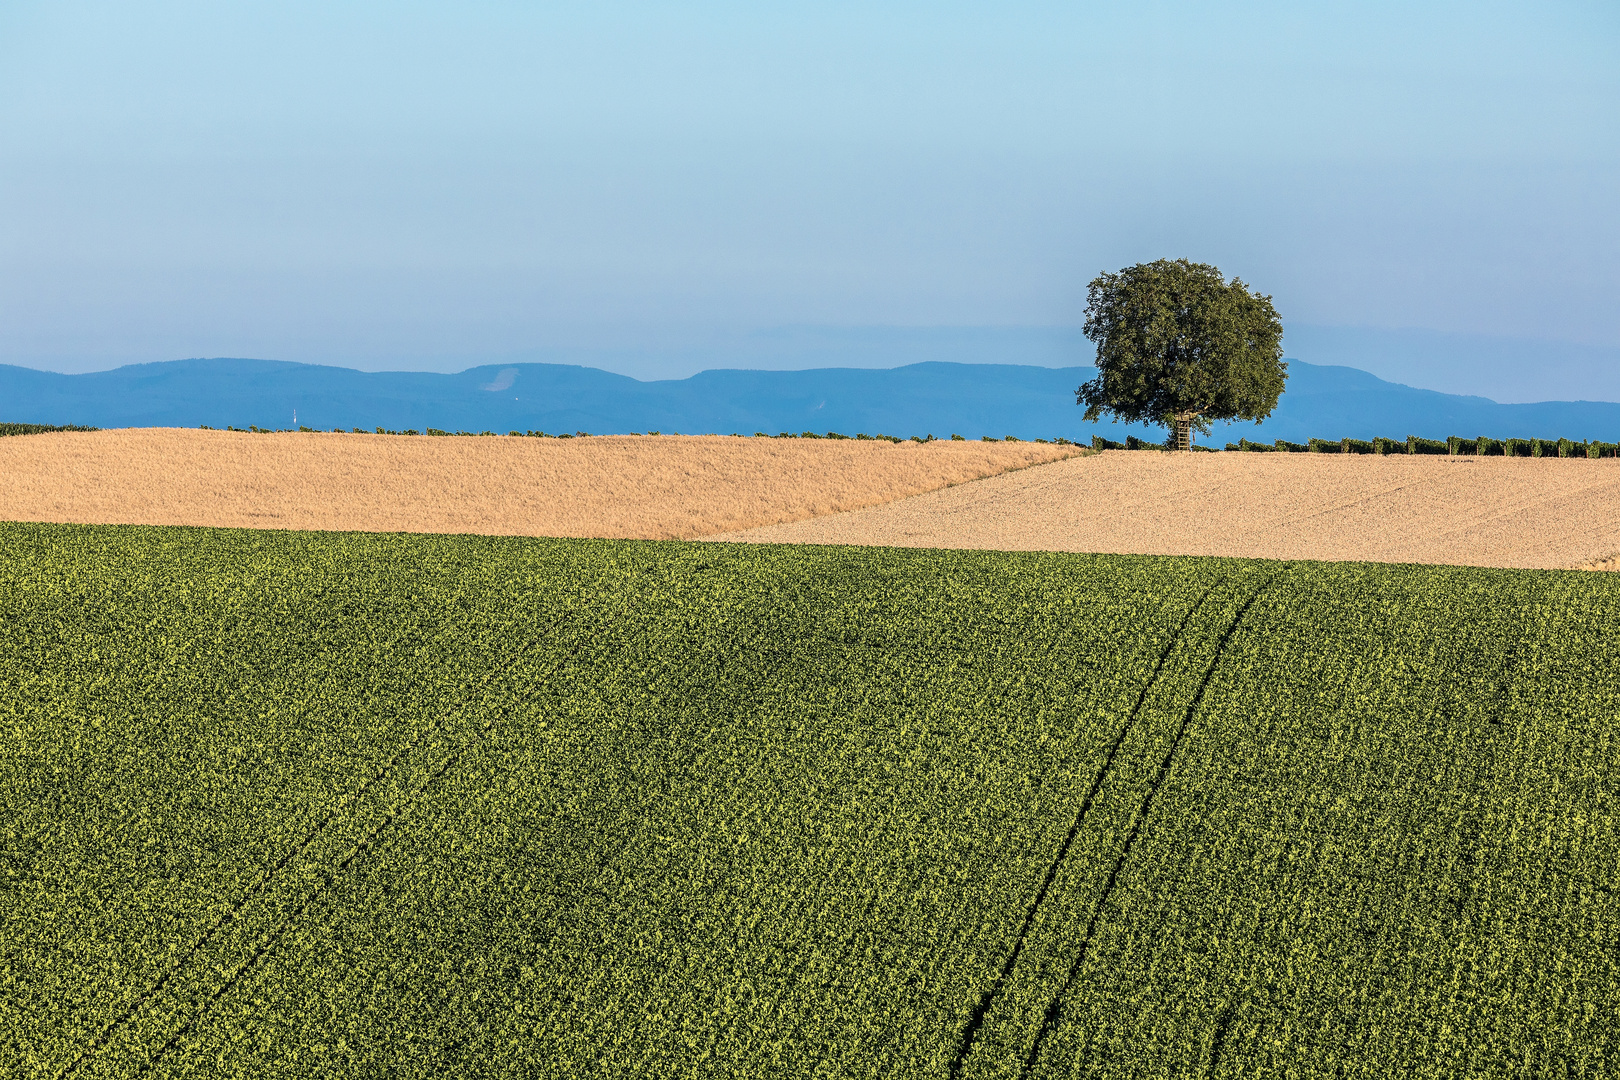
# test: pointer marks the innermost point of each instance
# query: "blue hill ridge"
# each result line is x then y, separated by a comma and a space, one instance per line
935, 398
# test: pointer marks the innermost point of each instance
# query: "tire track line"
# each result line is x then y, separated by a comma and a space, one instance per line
269, 942
268, 877
1136, 830
976, 1021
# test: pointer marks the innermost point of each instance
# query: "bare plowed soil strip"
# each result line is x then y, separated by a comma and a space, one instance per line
1545, 513
649, 487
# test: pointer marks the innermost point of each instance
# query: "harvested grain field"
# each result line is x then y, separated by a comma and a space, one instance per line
1543, 513
1533, 513
651, 487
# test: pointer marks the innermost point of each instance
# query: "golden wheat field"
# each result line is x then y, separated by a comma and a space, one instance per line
651, 487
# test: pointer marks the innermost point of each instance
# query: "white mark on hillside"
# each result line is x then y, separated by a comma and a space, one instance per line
503, 381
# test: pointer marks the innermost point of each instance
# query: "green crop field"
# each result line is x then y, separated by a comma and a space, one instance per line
301, 804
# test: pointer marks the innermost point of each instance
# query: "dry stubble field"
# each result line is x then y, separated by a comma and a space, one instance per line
1532, 513
1535, 513
649, 487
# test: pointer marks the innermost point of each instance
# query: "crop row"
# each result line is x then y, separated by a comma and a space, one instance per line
1412, 444
196, 719
40, 429
833, 435
748, 863
1455, 446
1377, 851
323, 804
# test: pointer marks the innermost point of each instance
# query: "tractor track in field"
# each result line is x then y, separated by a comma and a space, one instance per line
1471, 825
1139, 819
987, 999
270, 941
269, 876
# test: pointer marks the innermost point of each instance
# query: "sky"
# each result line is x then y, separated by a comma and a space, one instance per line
1426, 189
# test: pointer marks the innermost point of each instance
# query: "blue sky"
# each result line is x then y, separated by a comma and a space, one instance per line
436, 185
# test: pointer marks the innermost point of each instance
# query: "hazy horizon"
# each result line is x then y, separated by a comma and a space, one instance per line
423, 186
1505, 370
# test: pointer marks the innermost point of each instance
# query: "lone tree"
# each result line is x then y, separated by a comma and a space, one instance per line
1179, 345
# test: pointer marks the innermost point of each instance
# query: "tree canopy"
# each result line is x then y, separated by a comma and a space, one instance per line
1179, 345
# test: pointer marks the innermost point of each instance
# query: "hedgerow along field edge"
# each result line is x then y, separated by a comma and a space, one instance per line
343, 804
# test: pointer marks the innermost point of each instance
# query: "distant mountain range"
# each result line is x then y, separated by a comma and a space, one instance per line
935, 398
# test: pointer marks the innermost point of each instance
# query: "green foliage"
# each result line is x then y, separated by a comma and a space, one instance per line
317, 804
1238, 929
40, 429
1418, 445
1176, 341
1455, 446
